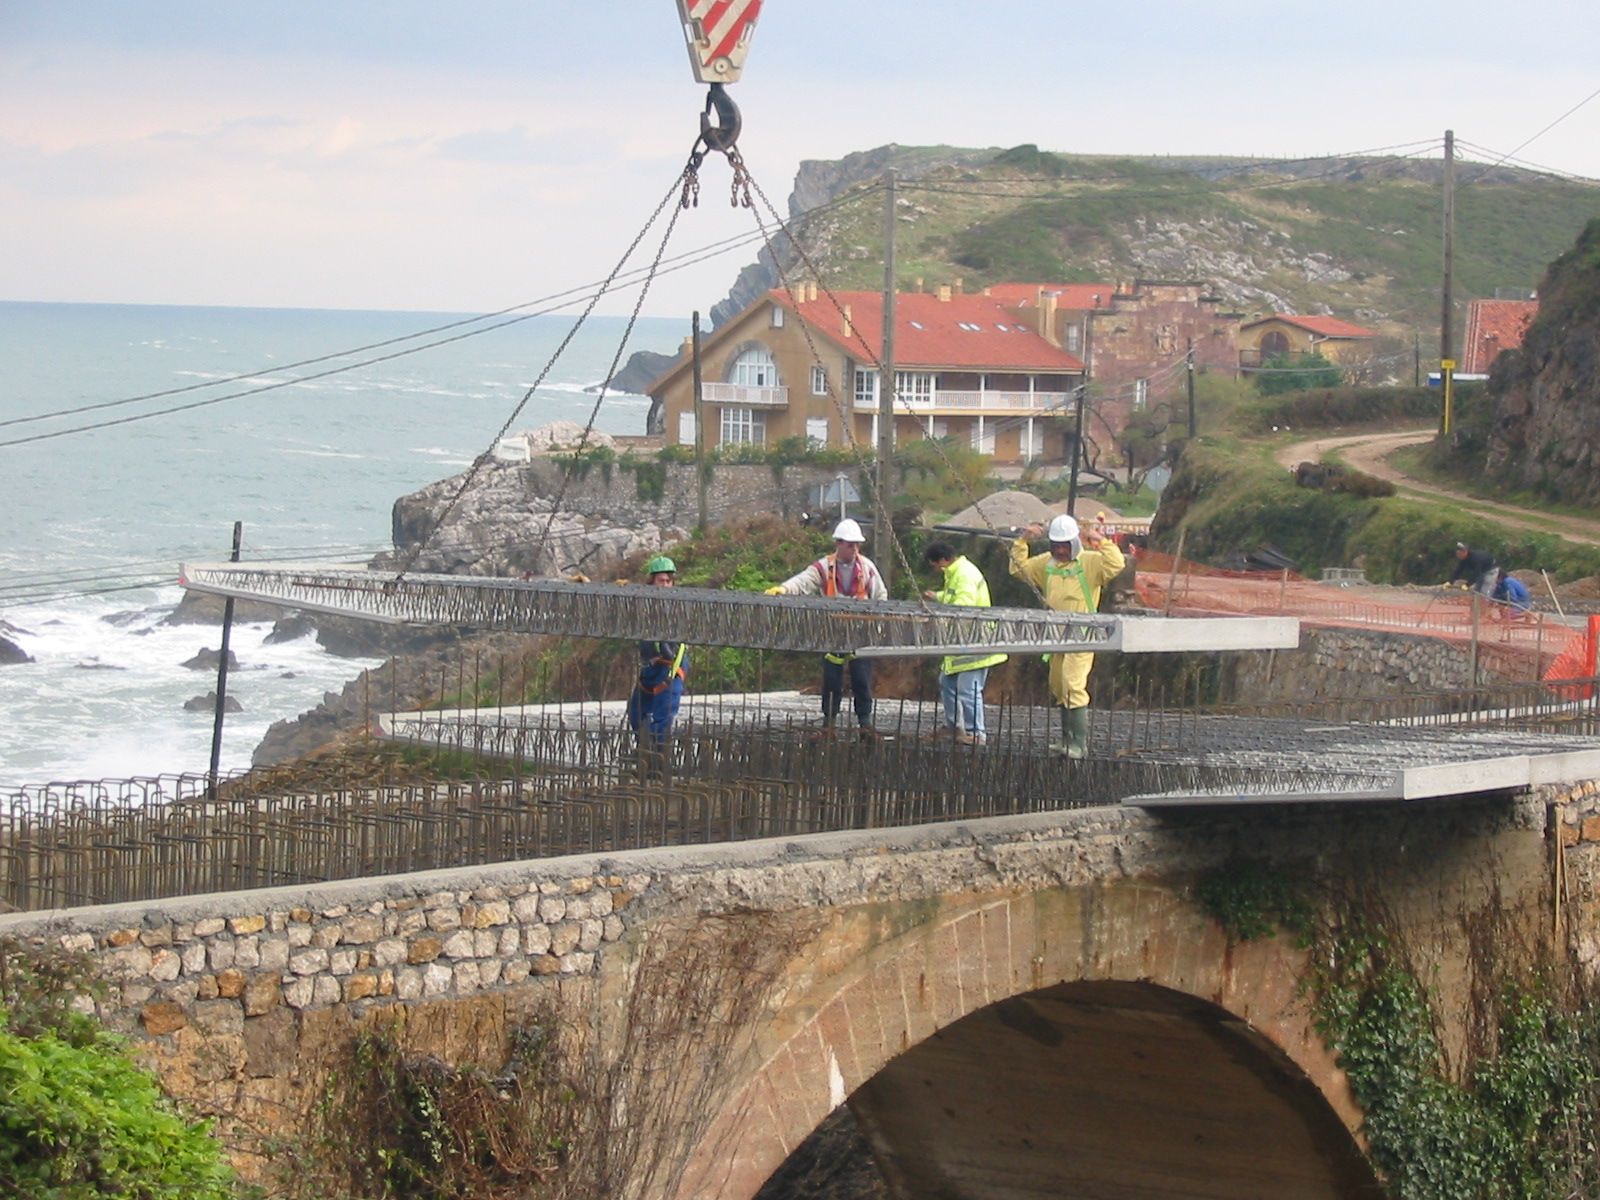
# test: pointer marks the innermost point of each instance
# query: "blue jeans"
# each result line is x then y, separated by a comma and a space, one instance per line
962, 693
655, 712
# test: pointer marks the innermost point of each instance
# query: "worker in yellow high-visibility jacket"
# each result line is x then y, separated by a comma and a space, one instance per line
1070, 576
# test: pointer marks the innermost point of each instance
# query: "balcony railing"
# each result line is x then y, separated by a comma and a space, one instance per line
949, 400
745, 395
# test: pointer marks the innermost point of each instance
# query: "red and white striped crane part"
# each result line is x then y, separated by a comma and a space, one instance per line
718, 33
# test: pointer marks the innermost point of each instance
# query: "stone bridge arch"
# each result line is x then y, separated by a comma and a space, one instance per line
1102, 1040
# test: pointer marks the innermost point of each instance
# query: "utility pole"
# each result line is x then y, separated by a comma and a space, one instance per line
699, 422
222, 673
1447, 358
1189, 382
1077, 453
883, 542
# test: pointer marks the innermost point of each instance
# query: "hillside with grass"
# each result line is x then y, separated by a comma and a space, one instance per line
1358, 237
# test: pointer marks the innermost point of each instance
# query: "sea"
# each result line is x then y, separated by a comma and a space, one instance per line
133, 437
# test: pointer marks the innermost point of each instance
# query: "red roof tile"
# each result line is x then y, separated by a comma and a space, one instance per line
1328, 327
1493, 326
965, 332
1068, 295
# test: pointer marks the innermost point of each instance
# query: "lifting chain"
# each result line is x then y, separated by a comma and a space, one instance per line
723, 138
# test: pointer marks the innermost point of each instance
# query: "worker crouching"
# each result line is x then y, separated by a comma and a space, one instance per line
663, 670
1070, 576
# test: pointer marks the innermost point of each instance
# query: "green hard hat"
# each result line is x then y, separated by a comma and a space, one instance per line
660, 563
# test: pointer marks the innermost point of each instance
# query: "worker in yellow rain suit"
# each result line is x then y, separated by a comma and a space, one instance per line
1069, 575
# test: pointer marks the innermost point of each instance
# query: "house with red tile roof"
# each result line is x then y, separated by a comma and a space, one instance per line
806, 363
1492, 327
1288, 335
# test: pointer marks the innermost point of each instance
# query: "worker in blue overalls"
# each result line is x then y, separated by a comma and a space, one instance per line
663, 667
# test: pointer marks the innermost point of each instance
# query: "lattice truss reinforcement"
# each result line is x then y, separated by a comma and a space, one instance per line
709, 617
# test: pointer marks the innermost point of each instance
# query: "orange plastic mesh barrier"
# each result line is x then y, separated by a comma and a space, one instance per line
1511, 646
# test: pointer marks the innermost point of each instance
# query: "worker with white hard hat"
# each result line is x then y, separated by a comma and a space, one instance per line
1070, 576
845, 572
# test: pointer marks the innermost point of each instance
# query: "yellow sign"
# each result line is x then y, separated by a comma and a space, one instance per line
1447, 364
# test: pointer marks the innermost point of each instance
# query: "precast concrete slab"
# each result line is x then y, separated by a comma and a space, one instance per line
713, 617
1398, 763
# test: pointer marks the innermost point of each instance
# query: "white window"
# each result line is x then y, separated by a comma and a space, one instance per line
686, 429
817, 430
777, 316
1141, 394
754, 368
1074, 337
866, 387
913, 386
819, 381
743, 426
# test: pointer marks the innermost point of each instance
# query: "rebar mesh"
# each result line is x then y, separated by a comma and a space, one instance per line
701, 616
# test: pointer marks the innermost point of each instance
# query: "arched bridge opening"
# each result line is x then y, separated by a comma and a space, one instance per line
1098, 1090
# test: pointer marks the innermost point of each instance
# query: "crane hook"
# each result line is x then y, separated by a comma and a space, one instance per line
722, 136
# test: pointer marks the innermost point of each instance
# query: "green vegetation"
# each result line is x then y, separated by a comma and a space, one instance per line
1231, 503
1373, 228
1297, 373
1515, 1121
1333, 408
78, 1119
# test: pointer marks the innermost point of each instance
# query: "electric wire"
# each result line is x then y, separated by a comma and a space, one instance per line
690, 259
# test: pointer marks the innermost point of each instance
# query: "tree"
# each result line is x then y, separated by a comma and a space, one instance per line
1297, 373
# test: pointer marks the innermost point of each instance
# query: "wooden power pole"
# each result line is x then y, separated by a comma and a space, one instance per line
699, 423
883, 541
1447, 358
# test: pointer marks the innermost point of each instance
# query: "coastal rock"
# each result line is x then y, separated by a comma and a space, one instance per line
208, 703
12, 654
290, 629
503, 525
208, 659
1546, 394
200, 608
406, 682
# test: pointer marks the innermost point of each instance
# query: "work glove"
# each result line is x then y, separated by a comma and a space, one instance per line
775, 590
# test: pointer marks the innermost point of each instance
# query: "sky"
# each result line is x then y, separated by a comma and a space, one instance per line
469, 157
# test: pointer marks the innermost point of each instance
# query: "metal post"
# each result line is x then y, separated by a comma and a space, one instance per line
222, 674
1189, 381
699, 425
883, 541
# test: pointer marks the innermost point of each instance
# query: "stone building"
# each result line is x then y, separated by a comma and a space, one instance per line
1135, 337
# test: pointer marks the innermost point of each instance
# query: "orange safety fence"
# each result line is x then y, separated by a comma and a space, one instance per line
1531, 645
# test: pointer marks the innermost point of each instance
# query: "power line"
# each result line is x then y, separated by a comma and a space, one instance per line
556, 303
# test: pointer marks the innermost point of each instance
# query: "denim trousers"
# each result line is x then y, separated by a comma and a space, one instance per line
962, 693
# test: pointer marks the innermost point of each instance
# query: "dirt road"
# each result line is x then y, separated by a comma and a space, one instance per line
1370, 452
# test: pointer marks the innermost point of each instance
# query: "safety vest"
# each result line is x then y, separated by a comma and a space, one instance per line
965, 585
828, 569
674, 667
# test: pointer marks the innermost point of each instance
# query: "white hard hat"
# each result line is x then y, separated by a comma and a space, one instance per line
1063, 529
848, 531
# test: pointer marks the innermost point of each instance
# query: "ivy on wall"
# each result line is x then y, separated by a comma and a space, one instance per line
1518, 1121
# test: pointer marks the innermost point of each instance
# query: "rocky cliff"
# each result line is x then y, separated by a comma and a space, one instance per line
1546, 396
